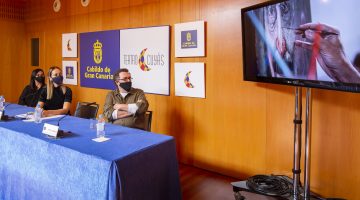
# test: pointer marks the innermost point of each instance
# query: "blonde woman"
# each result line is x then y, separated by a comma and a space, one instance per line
56, 98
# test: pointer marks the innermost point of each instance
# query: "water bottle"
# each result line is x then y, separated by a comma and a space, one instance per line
37, 114
2, 108
100, 126
2, 101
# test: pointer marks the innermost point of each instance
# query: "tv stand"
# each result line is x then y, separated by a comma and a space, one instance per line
284, 187
294, 190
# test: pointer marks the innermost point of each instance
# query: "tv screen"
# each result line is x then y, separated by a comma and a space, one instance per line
310, 43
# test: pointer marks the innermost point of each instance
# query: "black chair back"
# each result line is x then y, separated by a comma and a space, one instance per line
86, 110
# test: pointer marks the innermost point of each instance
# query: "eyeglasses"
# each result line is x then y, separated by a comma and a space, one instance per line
126, 79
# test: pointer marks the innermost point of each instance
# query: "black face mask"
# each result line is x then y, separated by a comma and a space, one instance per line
40, 79
126, 86
58, 80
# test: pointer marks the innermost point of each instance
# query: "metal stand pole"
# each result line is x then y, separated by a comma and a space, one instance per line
297, 142
307, 144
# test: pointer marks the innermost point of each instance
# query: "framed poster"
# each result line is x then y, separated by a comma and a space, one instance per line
99, 58
190, 80
145, 52
69, 45
69, 70
190, 39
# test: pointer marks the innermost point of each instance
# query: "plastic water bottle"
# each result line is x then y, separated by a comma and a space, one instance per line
37, 114
2, 101
2, 107
100, 126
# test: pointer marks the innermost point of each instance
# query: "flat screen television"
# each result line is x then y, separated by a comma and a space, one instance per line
308, 43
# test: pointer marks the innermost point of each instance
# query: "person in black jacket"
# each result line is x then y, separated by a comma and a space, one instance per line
31, 93
56, 98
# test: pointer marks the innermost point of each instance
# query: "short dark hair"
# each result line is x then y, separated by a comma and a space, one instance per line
116, 74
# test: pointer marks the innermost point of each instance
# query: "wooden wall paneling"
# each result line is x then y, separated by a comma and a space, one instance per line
12, 60
184, 112
241, 128
121, 18
280, 112
117, 4
136, 16
335, 141
151, 14
164, 106
229, 131
99, 6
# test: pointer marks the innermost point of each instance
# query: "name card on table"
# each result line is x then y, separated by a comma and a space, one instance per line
50, 130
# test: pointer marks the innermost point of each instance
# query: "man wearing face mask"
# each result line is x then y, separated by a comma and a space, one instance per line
31, 93
125, 106
56, 98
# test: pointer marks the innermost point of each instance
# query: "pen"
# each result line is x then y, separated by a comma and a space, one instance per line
302, 32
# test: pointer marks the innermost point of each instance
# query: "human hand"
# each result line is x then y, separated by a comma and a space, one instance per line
326, 39
326, 46
44, 113
120, 106
123, 114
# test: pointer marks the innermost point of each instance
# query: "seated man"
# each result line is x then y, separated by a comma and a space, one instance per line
125, 105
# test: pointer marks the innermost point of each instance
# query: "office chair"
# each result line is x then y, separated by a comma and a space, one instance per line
148, 118
86, 110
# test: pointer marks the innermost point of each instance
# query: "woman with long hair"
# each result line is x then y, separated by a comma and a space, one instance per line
31, 93
56, 98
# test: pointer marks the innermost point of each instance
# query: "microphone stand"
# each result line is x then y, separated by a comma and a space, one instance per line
61, 133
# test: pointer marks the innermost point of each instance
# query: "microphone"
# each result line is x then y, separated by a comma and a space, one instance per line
61, 118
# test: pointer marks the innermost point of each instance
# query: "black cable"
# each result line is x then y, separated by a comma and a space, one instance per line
269, 185
276, 186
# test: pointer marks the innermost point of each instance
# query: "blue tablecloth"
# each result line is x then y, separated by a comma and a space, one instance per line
133, 164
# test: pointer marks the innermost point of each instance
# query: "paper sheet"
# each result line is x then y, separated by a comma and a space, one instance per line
43, 118
101, 139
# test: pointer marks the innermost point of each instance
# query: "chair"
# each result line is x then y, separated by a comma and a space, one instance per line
86, 110
148, 118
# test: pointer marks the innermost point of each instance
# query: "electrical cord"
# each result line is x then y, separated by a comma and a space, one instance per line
276, 185
269, 185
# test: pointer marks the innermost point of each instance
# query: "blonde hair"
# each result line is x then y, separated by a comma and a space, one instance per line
50, 84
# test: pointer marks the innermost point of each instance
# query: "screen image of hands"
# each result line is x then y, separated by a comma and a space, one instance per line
330, 54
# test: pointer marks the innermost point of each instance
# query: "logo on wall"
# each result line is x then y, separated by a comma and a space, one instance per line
190, 87
142, 63
99, 58
69, 72
189, 39
97, 52
187, 80
147, 58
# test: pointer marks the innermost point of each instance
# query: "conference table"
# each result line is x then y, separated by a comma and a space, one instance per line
133, 164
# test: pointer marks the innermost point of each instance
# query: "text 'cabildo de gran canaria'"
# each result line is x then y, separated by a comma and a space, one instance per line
97, 72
